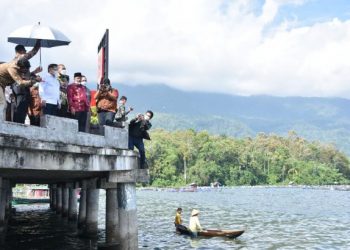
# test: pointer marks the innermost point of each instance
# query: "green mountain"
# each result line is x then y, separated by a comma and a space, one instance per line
323, 119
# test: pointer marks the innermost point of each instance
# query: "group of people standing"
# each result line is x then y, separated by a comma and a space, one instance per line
24, 93
27, 93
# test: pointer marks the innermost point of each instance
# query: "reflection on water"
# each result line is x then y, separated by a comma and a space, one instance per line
274, 218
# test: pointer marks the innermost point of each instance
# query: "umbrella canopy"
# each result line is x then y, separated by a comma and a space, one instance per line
27, 36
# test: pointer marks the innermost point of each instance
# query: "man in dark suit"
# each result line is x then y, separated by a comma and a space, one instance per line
137, 132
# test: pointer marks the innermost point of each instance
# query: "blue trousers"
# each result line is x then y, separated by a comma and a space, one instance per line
138, 143
105, 118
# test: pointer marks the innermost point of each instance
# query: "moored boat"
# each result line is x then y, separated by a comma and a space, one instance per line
31, 194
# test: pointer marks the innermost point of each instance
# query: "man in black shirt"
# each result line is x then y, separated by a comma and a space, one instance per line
137, 132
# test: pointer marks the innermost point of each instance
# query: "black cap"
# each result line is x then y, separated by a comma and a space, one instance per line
20, 48
77, 74
23, 63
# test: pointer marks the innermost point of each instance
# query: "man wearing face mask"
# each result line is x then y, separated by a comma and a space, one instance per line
63, 79
49, 91
78, 102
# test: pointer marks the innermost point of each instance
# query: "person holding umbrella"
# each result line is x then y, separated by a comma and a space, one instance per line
21, 52
22, 94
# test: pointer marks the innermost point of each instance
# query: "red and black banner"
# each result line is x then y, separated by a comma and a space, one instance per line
103, 52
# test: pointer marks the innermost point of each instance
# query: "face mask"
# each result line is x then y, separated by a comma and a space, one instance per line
55, 73
63, 72
83, 82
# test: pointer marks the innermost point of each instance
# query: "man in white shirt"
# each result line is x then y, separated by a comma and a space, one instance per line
49, 91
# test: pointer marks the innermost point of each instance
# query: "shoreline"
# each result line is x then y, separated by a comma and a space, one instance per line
208, 188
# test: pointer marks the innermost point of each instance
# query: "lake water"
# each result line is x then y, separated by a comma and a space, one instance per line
274, 218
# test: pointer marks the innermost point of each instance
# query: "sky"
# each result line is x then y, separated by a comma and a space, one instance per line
239, 47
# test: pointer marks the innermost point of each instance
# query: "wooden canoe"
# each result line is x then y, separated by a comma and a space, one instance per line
211, 232
221, 233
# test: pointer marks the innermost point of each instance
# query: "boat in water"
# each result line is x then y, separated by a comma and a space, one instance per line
232, 234
31, 195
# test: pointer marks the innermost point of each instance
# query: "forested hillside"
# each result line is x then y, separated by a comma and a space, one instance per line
324, 119
182, 157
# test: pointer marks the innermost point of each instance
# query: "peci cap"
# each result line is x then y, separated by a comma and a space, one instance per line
77, 74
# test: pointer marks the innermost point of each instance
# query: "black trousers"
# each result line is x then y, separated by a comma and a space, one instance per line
34, 120
81, 117
21, 109
63, 112
50, 109
9, 112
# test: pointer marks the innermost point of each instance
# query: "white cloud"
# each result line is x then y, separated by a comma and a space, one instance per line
195, 45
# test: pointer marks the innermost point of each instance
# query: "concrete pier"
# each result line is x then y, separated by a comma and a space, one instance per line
59, 199
92, 201
65, 200
127, 232
82, 205
112, 217
3, 200
58, 155
53, 196
72, 206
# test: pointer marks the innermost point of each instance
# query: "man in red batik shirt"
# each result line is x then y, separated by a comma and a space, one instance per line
77, 101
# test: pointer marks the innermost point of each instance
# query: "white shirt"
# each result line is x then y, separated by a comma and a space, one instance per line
49, 89
194, 226
8, 92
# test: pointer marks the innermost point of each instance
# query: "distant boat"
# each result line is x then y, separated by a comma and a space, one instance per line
33, 195
232, 234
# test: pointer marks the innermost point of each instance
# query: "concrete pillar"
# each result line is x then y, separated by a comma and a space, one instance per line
10, 198
82, 206
53, 196
8, 201
127, 233
59, 199
3, 201
72, 208
65, 201
92, 197
112, 216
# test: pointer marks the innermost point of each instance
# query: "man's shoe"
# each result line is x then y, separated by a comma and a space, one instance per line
144, 166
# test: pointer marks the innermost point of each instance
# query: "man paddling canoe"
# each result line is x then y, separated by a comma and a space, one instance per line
194, 225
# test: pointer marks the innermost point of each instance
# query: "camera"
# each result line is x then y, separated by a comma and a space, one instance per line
105, 87
140, 117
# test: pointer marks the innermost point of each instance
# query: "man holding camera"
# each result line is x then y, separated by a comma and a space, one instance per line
106, 102
137, 132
